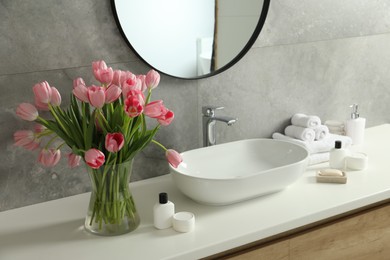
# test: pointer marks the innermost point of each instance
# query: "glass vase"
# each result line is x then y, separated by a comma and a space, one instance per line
111, 210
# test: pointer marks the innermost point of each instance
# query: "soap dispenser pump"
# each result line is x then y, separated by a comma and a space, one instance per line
355, 126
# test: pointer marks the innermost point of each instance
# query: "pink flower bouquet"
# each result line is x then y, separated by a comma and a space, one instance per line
105, 126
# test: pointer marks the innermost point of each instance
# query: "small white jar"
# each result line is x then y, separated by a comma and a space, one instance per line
184, 222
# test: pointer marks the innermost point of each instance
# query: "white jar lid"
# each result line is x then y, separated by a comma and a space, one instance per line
183, 221
357, 161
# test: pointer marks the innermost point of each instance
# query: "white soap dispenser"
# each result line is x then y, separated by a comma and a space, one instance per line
355, 126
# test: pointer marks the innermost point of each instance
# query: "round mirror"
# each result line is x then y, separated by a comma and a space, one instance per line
190, 39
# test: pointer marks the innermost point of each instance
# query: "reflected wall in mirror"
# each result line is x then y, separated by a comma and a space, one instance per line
190, 39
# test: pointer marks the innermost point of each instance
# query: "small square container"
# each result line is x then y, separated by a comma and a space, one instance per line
331, 179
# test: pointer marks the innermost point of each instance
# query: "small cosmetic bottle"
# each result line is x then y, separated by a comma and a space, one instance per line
337, 156
354, 126
163, 212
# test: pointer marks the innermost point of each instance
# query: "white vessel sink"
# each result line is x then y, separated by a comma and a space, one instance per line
237, 171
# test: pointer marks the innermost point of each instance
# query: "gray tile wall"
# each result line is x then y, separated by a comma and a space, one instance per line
312, 57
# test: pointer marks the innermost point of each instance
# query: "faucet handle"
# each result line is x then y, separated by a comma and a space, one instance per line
210, 110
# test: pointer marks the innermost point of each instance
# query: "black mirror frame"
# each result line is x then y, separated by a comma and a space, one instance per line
239, 56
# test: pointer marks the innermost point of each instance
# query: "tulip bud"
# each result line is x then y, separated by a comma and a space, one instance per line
166, 119
42, 92
73, 160
112, 93
117, 77
94, 158
80, 91
49, 157
133, 106
102, 73
114, 142
26, 139
152, 79
155, 109
173, 157
77, 82
55, 97
27, 112
142, 80
96, 96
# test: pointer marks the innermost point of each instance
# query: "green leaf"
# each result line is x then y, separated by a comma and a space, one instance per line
89, 133
117, 117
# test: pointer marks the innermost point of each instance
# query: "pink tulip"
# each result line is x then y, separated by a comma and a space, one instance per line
152, 79
143, 84
102, 73
26, 139
126, 75
133, 106
73, 160
96, 96
114, 142
173, 157
55, 97
41, 106
104, 76
49, 157
80, 90
42, 92
138, 94
78, 81
117, 77
112, 93
99, 65
131, 83
155, 109
94, 158
166, 119
38, 128
27, 112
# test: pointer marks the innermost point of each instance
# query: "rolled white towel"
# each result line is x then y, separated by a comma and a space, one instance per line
321, 132
325, 145
305, 120
318, 158
301, 133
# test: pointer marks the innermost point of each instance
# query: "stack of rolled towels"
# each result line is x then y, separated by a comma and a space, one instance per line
308, 131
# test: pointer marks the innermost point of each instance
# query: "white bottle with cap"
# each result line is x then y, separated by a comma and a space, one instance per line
163, 212
337, 156
355, 126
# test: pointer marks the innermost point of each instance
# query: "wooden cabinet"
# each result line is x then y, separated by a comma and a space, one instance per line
363, 235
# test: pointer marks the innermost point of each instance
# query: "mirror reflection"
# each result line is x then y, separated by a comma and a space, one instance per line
190, 38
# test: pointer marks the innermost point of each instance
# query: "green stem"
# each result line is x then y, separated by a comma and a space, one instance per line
42, 121
148, 96
159, 144
45, 132
103, 122
58, 119
51, 141
59, 147
84, 121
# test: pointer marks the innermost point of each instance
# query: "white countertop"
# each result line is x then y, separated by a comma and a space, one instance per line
54, 229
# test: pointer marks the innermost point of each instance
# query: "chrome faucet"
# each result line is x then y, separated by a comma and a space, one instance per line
209, 121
